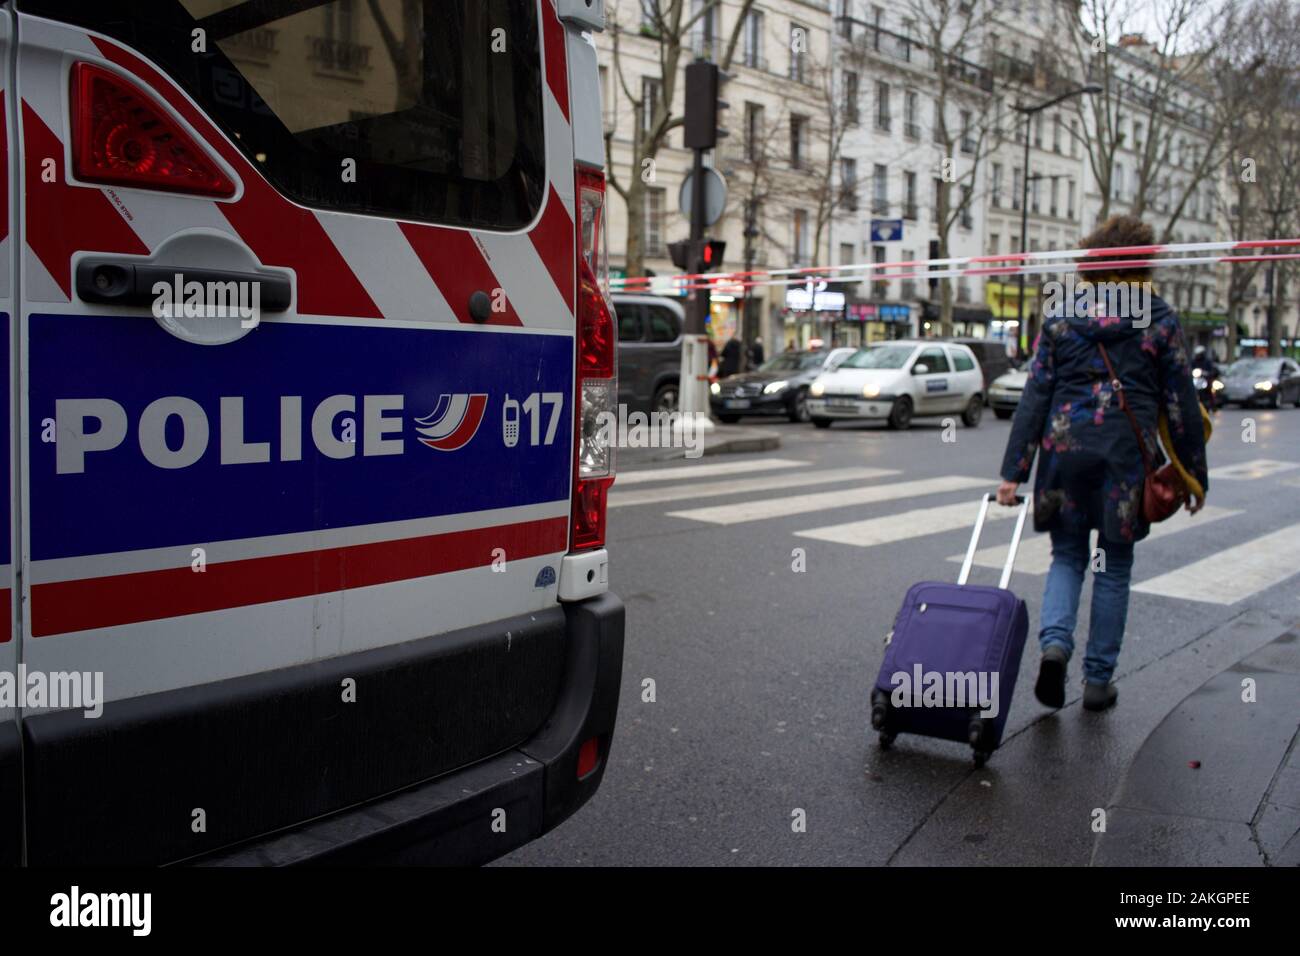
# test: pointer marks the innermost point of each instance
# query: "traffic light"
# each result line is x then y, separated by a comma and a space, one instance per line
697, 255
703, 106
711, 251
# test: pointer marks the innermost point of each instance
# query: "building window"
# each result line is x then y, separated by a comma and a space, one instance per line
753, 132
935, 193
995, 190
882, 105
880, 190
1069, 200
909, 185
798, 50
849, 183
1074, 139
846, 253
1033, 193
1119, 182
654, 222
907, 287
911, 126
967, 139
880, 287
798, 127
1056, 133
800, 243
754, 40
1055, 191
705, 32
1017, 186
851, 99
1038, 130
650, 95
844, 19
966, 221
994, 243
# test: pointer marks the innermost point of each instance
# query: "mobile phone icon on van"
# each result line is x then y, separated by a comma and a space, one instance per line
510, 422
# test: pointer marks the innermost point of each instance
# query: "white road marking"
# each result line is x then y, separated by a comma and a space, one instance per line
704, 471
1233, 574
909, 524
1250, 470
1035, 554
739, 511
743, 486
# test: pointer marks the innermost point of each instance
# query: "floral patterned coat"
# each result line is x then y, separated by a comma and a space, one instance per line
1090, 472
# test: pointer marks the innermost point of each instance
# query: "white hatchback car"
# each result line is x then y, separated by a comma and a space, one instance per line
894, 381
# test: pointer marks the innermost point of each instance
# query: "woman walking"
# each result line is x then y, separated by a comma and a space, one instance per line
1091, 469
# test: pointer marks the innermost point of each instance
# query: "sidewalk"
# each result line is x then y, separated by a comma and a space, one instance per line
722, 440
1217, 783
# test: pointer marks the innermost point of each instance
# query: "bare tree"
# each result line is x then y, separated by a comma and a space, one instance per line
1164, 100
953, 34
667, 26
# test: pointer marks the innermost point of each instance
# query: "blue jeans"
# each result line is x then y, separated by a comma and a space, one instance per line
1070, 559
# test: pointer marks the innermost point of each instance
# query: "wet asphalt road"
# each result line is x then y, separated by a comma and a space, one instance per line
762, 675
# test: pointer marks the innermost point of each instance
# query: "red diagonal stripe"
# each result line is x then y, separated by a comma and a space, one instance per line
457, 266
61, 219
279, 232
66, 606
557, 76
554, 240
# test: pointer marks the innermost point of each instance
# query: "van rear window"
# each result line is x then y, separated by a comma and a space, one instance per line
415, 109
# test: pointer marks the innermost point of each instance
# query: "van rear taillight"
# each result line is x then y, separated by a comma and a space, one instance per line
597, 381
121, 136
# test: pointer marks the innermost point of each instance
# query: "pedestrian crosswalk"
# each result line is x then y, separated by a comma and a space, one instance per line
1035, 554
768, 489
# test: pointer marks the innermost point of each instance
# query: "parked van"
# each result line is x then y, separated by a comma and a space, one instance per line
306, 330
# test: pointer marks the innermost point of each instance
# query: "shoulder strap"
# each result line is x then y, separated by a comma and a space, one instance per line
1118, 386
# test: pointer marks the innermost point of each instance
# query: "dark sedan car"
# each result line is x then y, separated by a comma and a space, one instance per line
777, 387
1272, 382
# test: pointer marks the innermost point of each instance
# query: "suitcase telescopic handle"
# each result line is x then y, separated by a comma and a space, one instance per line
975, 540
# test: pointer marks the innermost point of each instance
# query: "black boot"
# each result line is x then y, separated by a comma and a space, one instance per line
1050, 689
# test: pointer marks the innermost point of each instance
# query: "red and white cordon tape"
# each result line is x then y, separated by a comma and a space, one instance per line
1024, 263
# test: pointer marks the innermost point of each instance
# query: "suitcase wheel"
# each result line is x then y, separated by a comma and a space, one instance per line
886, 741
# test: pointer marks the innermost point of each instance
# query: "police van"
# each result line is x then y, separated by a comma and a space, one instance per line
307, 330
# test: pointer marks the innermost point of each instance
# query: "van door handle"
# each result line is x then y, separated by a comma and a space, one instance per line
114, 282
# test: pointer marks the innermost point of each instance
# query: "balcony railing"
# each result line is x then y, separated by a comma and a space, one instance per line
912, 130
910, 211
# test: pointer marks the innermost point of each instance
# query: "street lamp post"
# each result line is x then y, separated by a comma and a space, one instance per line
1028, 112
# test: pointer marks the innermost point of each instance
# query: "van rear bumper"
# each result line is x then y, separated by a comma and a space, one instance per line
449, 820
285, 772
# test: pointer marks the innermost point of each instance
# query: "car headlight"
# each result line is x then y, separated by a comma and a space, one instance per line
817, 390
771, 388
1217, 386
715, 388
870, 390
1264, 386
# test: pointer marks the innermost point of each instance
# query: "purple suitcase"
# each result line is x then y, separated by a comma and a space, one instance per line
952, 658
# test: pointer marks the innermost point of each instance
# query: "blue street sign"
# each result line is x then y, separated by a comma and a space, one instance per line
886, 230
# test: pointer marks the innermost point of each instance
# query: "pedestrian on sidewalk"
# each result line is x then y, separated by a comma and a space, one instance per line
1091, 470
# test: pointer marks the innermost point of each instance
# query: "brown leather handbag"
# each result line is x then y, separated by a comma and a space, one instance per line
1163, 491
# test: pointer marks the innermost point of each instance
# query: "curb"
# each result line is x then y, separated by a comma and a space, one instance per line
1217, 783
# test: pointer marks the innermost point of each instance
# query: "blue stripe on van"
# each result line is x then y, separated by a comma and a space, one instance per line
124, 502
